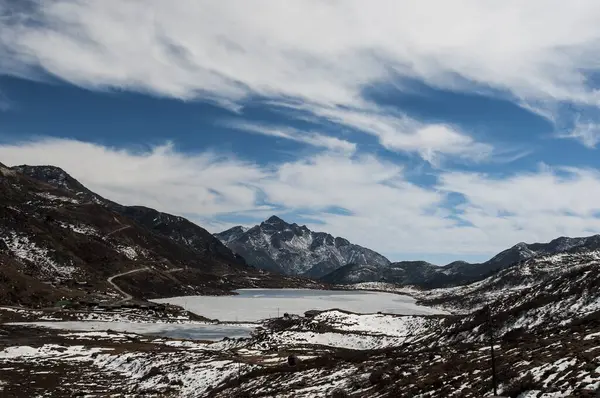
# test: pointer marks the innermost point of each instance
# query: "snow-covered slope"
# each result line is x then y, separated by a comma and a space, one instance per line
232, 234
540, 292
295, 250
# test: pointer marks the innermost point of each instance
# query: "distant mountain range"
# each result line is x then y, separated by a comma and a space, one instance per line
291, 249
423, 274
58, 238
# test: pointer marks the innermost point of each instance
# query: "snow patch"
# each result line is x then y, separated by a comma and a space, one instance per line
56, 198
80, 229
128, 251
23, 248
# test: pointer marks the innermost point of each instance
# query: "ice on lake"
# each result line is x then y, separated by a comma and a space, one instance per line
193, 331
252, 305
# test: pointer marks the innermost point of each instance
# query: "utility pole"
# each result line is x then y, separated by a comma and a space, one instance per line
491, 331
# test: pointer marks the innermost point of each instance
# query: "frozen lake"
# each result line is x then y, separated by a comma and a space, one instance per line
252, 305
194, 331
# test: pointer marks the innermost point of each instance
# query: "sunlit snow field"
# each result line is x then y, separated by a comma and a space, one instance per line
252, 305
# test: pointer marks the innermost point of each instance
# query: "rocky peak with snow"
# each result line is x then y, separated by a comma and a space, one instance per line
231, 234
518, 252
524, 251
292, 249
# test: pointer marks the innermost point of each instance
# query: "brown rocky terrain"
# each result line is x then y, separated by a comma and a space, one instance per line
55, 242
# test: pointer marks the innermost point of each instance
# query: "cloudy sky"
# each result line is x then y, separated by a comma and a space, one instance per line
422, 129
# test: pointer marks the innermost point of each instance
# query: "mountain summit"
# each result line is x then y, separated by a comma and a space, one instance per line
296, 250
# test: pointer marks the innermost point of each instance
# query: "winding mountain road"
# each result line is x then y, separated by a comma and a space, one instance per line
126, 295
117, 230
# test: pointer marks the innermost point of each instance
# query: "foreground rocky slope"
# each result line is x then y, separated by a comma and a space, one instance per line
56, 240
334, 354
291, 249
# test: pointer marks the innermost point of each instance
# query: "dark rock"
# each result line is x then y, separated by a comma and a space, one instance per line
378, 376
339, 393
293, 361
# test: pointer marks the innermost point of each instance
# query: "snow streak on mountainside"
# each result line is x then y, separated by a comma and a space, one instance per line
295, 250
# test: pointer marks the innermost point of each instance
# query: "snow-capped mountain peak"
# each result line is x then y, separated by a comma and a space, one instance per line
232, 234
292, 249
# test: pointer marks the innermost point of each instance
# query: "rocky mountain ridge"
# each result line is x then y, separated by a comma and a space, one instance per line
290, 249
174, 227
423, 274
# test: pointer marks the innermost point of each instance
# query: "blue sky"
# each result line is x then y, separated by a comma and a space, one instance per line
418, 129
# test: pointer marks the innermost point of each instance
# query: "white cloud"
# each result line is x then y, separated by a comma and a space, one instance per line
203, 184
586, 133
398, 132
562, 190
537, 206
322, 53
310, 138
356, 184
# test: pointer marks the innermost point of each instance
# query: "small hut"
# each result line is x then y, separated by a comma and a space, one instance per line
311, 313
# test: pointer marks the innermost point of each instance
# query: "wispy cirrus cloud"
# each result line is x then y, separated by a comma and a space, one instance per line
306, 137
400, 133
